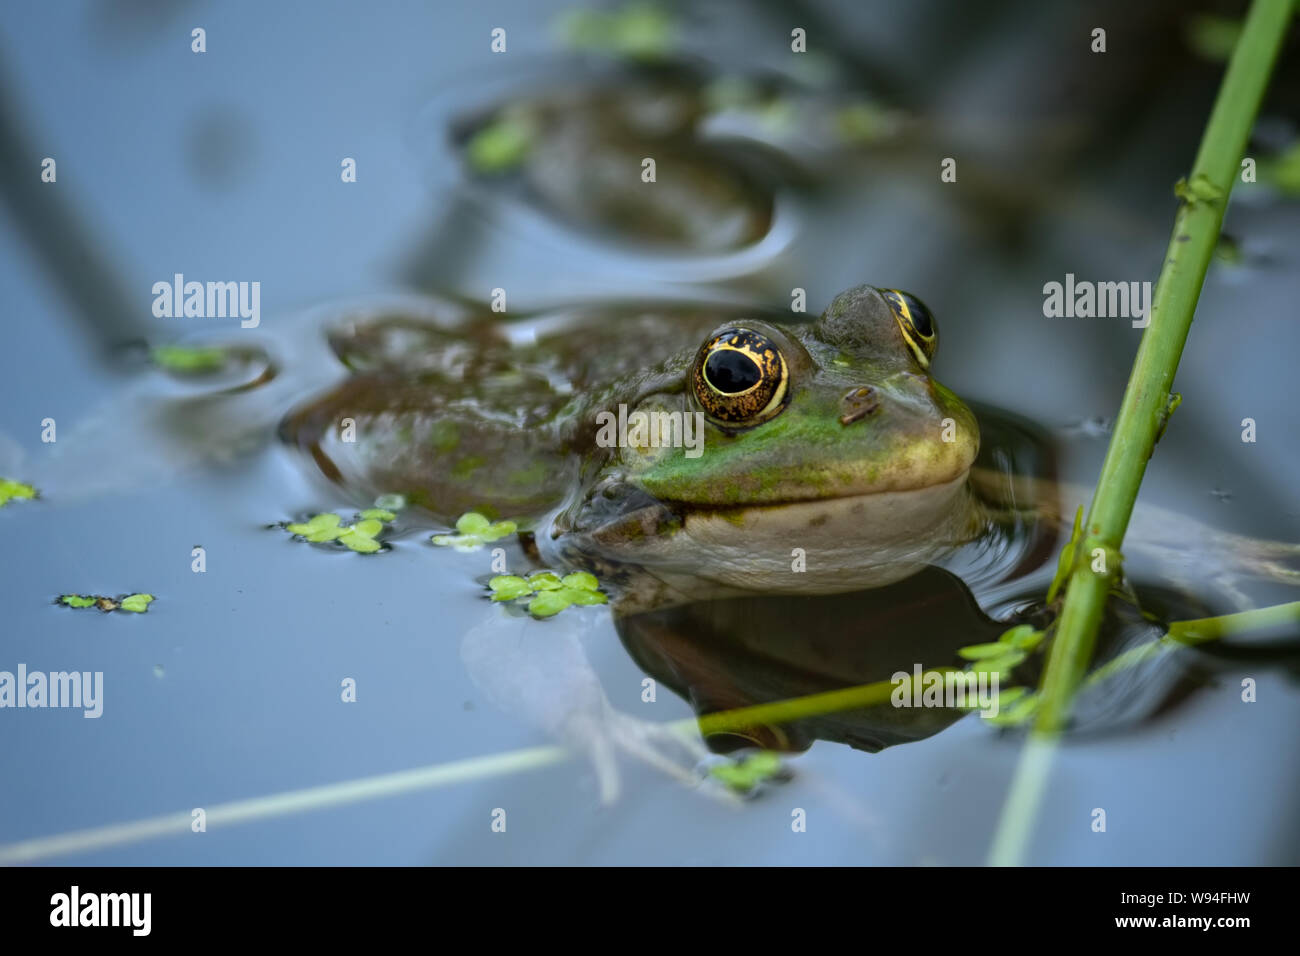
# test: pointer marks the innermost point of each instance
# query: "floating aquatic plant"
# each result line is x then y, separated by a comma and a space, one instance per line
135, 603
638, 31
189, 359
748, 773
549, 594
1016, 707
502, 145
361, 536
11, 490
474, 530
1004, 654
1016, 704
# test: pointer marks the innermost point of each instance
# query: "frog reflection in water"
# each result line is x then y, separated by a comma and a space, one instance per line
826, 533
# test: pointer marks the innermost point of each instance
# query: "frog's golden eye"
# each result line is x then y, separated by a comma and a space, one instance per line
740, 378
916, 323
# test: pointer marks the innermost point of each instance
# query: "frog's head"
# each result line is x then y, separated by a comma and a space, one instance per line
830, 436
841, 408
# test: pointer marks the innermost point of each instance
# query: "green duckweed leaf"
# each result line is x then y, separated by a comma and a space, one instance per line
999, 665
549, 594
584, 597
1014, 712
499, 529
1023, 637
138, 603
11, 490
472, 523
322, 527
976, 652
507, 587
749, 772
135, 603
548, 603
360, 537
361, 543
766, 762
501, 145
1010, 695
580, 580
473, 530
187, 359
639, 30
732, 776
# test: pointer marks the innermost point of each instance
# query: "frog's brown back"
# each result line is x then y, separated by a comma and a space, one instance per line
481, 417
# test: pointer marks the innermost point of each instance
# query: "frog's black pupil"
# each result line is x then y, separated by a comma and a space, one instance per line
731, 372
921, 320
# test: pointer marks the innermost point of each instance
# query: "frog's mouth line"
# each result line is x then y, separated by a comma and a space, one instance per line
892, 516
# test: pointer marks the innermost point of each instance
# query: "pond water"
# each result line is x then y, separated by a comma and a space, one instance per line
226, 166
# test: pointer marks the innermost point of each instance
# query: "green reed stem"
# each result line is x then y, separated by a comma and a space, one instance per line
1142, 414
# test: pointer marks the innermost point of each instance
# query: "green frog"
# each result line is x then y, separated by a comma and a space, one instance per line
831, 436
741, 482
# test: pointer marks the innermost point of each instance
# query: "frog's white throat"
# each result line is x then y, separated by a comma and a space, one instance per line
807, 547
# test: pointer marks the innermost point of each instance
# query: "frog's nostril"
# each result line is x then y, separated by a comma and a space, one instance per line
858, 404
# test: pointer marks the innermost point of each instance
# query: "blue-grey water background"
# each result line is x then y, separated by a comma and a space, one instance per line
225, 165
